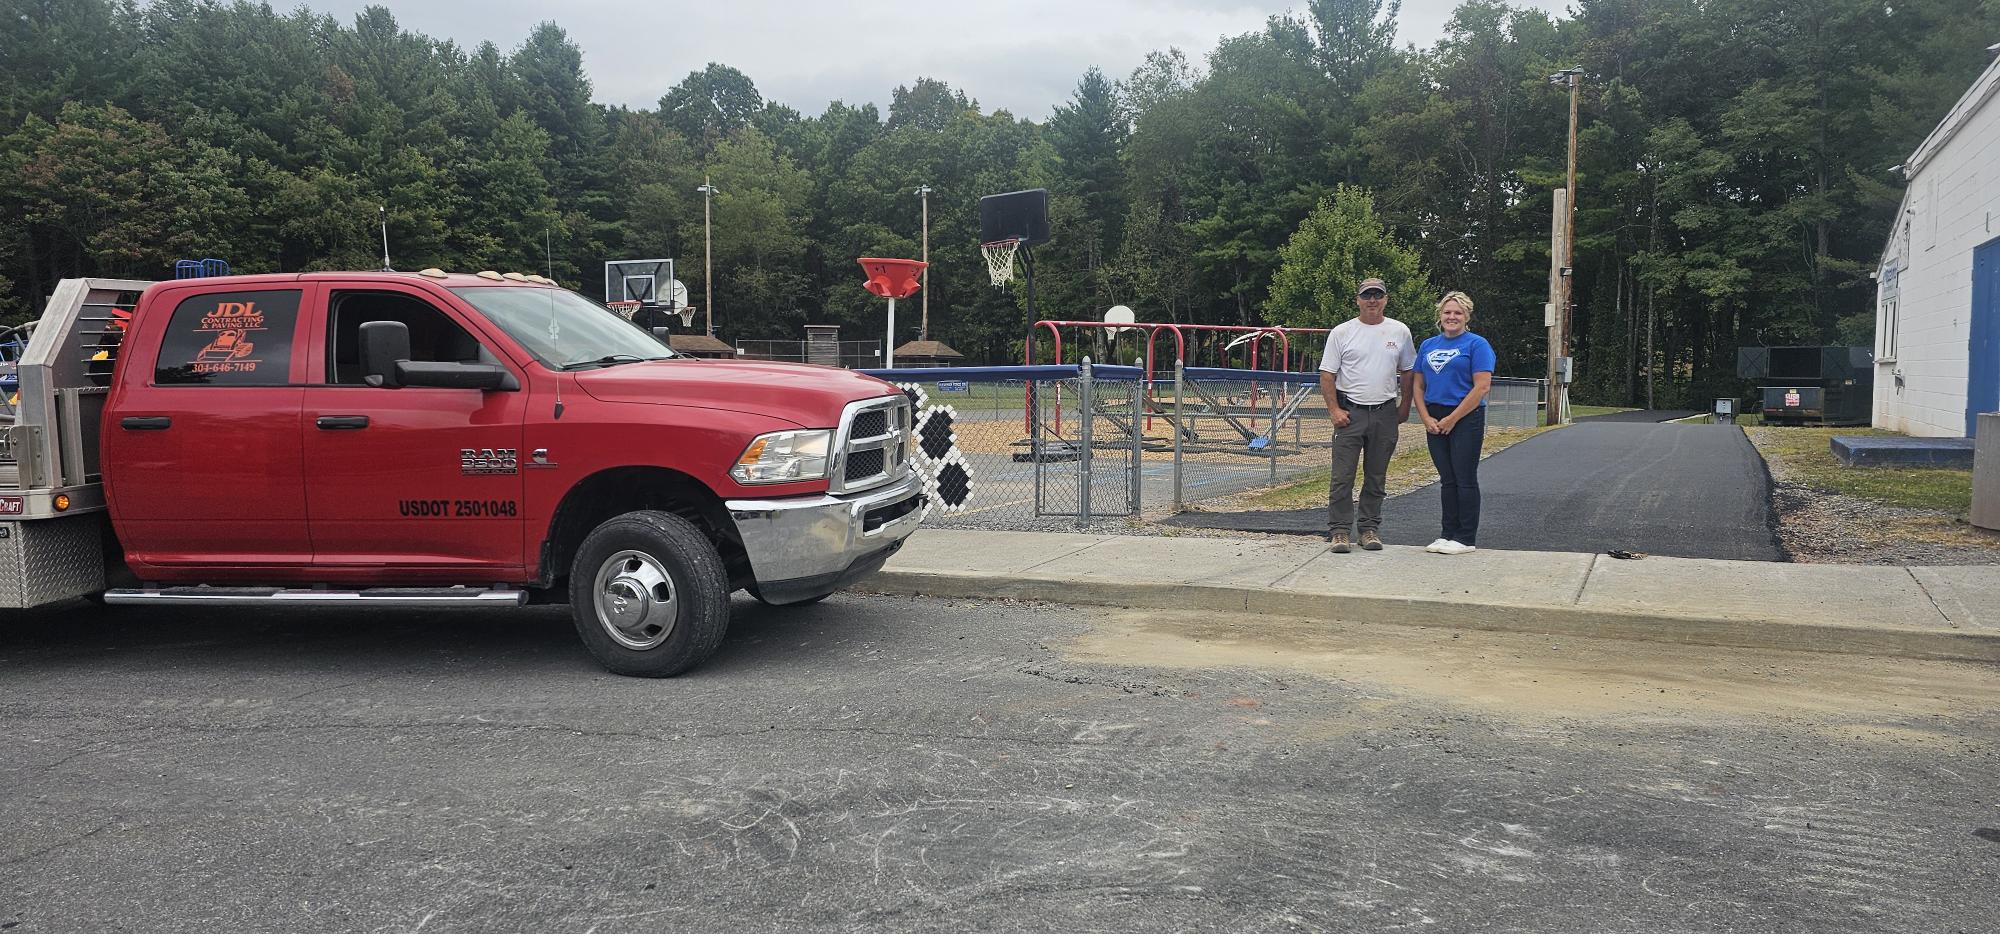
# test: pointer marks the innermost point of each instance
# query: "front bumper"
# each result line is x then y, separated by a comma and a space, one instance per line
802, 547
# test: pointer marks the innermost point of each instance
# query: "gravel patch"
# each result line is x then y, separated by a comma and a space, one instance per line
1820, 527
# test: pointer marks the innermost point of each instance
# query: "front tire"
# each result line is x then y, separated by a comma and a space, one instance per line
649, 595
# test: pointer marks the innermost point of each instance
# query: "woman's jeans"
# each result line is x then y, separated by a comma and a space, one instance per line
1457, 458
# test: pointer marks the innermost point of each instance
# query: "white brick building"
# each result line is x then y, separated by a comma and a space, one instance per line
1937, 318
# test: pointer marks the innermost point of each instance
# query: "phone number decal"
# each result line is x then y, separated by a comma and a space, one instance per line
458, 508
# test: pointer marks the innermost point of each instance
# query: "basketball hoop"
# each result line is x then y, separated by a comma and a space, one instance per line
687, 316
625, 309
1000, 259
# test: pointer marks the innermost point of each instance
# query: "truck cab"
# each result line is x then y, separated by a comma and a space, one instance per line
440, 439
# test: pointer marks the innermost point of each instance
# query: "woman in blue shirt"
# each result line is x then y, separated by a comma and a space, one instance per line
1454, 373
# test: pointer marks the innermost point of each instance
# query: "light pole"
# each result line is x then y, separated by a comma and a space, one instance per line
707, 255
1559, 340
924, 192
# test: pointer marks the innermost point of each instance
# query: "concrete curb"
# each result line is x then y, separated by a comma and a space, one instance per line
1900, 642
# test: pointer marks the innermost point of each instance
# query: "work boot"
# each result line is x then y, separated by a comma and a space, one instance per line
1370, 540
1342, 542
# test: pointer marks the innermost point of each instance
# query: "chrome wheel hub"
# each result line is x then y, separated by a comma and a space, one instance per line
635, 600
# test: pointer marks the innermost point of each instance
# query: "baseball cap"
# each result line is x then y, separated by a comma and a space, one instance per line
1372, 283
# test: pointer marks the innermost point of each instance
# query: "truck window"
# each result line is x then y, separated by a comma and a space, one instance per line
560, 327
230, 339
434, 336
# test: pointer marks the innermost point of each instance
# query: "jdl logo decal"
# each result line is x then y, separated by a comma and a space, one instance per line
487, 461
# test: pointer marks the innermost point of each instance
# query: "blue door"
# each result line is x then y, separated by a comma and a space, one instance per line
1982, 385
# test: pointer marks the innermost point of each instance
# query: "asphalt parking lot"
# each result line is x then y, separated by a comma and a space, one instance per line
898, 764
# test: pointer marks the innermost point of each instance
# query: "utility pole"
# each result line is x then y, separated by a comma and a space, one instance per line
1552, 315
1560, 345
1649, 349
924, 192
707, 255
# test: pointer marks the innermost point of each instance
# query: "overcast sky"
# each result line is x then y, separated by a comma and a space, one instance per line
1024, 55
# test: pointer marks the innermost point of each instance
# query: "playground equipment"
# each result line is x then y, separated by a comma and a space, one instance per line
1241, 414
891, 279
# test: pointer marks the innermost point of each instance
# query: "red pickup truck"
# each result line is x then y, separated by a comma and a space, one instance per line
434, 439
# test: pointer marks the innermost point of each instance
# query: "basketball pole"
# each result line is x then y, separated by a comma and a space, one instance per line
1028, 266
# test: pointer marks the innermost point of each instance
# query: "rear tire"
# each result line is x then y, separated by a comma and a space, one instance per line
649, 595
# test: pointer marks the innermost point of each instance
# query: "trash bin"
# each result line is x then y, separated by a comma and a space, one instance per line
1986, 473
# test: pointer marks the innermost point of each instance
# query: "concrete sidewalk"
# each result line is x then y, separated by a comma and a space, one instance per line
1942, 612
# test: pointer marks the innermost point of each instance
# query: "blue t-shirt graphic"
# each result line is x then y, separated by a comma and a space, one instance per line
1448, 364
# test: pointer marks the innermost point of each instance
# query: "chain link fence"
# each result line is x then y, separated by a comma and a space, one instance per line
1068, 447
847, 354
1239, 432
1011, 447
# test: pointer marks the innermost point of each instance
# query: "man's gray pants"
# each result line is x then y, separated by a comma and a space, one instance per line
1370, 439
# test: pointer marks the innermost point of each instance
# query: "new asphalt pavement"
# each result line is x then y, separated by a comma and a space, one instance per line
1692, 491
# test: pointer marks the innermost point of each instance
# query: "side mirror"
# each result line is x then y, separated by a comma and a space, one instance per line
455, 375
383, 345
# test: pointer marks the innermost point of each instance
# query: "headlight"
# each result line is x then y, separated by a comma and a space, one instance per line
784, 456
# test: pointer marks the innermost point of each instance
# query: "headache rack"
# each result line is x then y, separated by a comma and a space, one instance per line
54, 375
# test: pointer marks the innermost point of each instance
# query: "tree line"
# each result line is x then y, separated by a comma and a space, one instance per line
1734, 157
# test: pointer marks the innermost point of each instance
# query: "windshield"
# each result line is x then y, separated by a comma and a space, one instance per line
562, 329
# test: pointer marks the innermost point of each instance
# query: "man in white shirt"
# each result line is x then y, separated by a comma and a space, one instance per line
1365, 378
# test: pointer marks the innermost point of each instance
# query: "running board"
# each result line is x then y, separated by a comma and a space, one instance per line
397, 597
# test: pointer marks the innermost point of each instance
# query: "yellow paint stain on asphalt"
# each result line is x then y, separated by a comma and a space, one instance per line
1532, 677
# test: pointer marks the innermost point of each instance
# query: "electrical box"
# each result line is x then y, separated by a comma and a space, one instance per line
1986, 471
1563, 366
1725, 411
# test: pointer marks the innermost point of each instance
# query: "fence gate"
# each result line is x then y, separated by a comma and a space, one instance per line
1085, 444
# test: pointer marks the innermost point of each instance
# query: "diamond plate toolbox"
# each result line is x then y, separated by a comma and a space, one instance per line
47, 560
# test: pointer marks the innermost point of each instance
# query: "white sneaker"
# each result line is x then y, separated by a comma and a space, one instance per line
1436, 547
1454, 548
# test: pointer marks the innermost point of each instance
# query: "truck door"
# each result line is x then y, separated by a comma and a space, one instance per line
201, 455
422, 478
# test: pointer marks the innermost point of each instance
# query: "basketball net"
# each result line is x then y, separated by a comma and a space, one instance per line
1000, 259
625, 309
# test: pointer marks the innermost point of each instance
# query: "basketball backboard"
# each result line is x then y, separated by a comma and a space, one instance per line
648, 281
1118, 314
1022, 215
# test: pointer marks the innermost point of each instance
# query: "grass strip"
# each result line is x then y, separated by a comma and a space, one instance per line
1808, 454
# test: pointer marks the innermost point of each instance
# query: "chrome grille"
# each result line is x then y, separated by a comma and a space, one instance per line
864, 464
874, 443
